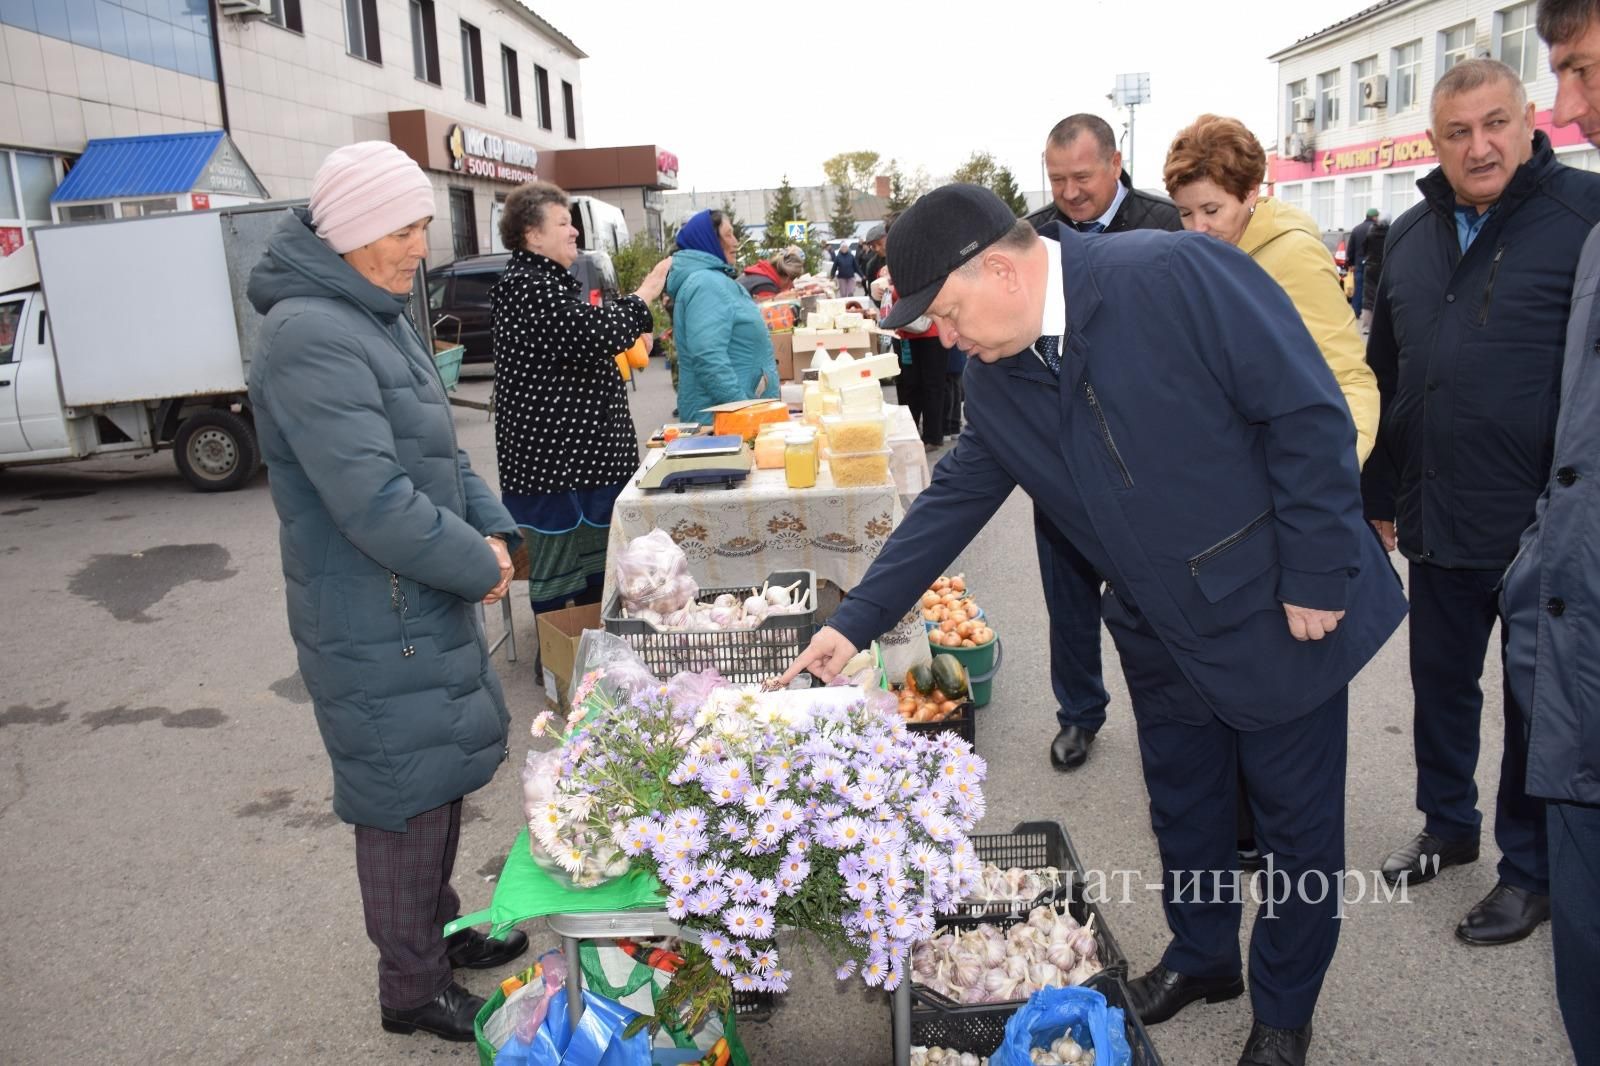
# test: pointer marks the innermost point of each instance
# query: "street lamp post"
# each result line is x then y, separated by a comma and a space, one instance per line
1130, 91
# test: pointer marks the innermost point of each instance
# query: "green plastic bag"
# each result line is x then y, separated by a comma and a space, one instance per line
639, 986
525, 891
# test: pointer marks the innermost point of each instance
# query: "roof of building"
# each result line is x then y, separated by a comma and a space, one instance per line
527, 9
112, 168
1345, 23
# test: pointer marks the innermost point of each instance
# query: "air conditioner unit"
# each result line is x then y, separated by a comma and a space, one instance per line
246, 8
1304, 109
1299, 148
1375, 90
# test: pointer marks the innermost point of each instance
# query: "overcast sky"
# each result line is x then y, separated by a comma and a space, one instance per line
745, 91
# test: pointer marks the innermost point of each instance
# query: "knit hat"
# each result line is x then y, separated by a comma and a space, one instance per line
367, 190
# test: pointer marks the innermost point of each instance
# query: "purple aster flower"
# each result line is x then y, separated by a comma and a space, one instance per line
830, 811
765, 962
797, 867
740, 884
758, 800
688, 770
777, 981
677, 906
715, 944
738, 921
845, 971
848, 831
852, 865
744, 982
708, 901
688, 820
733, 827
742, 949
876, 971
788, 885
712, 871
681, 878
788, 814
724, 965
799, 845
861, 887
756, 846
762, 923
765, 893
828, 771
768, 830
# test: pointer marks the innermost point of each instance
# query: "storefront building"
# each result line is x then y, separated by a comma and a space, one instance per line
1353, 101
287, 81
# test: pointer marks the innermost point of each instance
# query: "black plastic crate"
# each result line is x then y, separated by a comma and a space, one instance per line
964, 724
980, 1030
1112, 961
1032, 845
753, 1006
743, 656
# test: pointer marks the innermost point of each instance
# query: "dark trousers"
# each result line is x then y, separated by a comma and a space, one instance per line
1355, 289
407, 899
922, 386
1575, 921
1452, 615
1294, 775
953, 395
1072, 600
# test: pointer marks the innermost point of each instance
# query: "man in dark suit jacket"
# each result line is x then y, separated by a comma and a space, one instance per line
1092, 194
1223, 507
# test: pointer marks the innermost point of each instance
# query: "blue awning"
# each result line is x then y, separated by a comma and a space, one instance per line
116, 168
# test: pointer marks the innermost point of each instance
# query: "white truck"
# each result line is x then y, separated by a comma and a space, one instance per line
132, 336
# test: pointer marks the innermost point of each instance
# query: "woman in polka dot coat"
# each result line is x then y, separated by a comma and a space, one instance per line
563, 434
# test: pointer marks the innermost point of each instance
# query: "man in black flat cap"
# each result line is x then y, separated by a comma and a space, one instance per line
1165, 408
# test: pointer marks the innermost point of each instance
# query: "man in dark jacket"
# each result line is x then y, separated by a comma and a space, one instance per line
874, 255
1466, 344
1553, 586
1355, 250
1092, 194
1225, 510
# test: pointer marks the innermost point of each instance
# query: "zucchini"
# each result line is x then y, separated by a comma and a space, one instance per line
951, 677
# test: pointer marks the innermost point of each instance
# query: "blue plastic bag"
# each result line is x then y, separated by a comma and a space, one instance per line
598, 1040
1053, 1011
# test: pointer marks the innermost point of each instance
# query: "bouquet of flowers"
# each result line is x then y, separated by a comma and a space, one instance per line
813, 809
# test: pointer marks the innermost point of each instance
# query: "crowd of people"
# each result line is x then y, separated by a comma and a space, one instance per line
1220, 466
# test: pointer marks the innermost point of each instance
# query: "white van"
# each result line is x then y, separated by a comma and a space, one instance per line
602, 227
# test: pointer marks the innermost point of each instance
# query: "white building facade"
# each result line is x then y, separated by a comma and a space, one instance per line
1353, 101
289, 80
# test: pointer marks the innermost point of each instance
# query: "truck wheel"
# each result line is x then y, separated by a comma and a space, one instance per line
216, 450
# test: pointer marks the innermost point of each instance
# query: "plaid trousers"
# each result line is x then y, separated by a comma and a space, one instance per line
407, 899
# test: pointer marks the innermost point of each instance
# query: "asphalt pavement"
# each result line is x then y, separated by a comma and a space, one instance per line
178, 890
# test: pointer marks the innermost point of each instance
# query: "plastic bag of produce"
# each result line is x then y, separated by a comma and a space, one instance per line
1053, 1013
652, 576
634, 973
598, 1039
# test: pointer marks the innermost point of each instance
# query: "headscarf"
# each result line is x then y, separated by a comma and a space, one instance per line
700, 235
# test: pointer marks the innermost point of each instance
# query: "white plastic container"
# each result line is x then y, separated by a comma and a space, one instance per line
848, 370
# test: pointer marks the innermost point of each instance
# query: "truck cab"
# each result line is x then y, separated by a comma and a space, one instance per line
32, 422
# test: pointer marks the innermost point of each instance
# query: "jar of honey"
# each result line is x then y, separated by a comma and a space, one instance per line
800, 460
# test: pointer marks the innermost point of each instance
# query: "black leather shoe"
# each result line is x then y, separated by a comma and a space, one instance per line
448, 1015
1422, 859
1070, 749
1505, 916
472, 950
1267, 1046
1161, 993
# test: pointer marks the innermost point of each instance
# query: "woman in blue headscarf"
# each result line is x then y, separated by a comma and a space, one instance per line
724, 350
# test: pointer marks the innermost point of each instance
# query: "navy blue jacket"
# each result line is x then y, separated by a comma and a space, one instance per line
1551, 600
1195, 448
1467, 352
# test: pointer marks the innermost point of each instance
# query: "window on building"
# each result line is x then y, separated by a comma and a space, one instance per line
1399, 193
512, 83
1357, 198
1322, 203
1583, 159
1296, 91
424, 42
472, 62
1293, 195
1518, 42
1363, 70
1456, 45
541, 85
361, 30
1407, 87
36, 180
463, 223
571, 106
87, 212
286, 13
1330, 111
160, 205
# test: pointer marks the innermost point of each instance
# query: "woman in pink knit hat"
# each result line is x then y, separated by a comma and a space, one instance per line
389, 543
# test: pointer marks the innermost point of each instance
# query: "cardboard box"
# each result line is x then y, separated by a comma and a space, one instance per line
783, 352
558, 648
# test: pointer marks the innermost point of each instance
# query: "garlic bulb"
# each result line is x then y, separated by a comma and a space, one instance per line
727, 599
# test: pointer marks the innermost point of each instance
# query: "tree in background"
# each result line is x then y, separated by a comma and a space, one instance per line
632, 262
900, 194
747, 247
852, 170
843, 219
786, 208
981, 169
1005, 187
